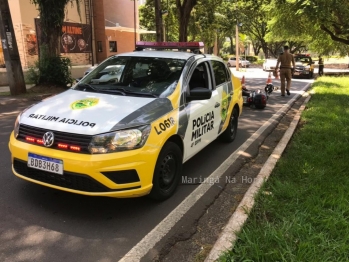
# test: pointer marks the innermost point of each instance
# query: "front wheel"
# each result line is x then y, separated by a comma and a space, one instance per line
230, 133
167, 174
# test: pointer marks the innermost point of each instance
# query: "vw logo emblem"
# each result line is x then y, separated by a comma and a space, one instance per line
48, 139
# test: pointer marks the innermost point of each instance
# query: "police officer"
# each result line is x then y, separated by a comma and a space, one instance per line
285, 60
321, 66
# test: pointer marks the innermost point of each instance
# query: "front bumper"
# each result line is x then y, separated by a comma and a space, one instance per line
302, 72
93, 175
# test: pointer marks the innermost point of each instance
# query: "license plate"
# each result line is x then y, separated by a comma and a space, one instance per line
296, 73
45, 163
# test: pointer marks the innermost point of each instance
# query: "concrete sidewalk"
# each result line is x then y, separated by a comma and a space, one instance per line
7, 88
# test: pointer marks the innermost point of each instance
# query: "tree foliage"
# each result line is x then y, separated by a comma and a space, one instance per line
321, 25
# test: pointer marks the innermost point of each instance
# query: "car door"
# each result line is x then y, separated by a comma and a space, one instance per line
224, 93
203, 115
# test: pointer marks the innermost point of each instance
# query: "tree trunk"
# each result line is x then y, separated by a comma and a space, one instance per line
184, 11
51, 29
231, 45
10, 49
158, 21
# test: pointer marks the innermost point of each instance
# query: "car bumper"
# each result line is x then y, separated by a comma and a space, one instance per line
93, 175
301, 72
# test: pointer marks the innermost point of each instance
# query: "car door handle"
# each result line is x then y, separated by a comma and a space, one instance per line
217, 104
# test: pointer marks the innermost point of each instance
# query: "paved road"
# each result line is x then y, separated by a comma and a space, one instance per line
42, 224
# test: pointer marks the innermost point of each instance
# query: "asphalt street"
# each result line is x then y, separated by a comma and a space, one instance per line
42, 224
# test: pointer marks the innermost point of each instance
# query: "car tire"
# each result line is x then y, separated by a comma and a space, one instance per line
230, 133
167, 173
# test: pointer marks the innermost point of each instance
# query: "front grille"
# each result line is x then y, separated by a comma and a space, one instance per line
81, 141
69, 180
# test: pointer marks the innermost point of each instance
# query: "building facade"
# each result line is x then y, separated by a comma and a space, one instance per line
103, 28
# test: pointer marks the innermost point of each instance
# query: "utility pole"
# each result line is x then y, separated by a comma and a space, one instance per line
10, 49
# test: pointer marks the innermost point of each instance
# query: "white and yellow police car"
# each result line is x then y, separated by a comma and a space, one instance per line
129, 136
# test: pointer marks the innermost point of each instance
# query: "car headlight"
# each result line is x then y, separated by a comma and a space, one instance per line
16, 128
119, 140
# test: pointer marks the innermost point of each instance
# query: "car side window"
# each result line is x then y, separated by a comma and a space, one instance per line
220, 72
199, 77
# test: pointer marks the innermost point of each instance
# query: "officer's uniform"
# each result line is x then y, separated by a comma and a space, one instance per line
285, 60
321, 66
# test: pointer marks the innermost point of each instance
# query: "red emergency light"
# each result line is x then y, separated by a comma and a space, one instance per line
140, 45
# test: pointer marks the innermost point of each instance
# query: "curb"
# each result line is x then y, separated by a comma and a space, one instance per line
148, 242
228, 236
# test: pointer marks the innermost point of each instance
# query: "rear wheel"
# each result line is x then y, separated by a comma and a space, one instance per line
167, 172
230, 133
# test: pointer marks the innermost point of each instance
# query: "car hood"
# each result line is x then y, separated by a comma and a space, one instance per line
300, 64
87, 113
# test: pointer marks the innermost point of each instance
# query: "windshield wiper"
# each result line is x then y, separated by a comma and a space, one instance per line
87, 86
120, 91
135, 93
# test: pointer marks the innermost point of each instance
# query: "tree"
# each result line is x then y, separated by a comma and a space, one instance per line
323, 23
184, 9
179, 12
158, 21
51, 21
10, 51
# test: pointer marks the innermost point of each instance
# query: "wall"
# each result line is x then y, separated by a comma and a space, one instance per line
122, 12
125, 41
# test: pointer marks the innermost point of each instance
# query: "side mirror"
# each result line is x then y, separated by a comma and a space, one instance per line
199, 93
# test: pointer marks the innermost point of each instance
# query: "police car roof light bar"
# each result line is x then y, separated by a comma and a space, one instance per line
140, 45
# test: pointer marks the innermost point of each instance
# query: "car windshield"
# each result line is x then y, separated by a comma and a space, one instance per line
304, 60
135, 76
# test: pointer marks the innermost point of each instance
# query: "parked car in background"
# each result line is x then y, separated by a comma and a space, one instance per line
242, 62
304, 66
269, 64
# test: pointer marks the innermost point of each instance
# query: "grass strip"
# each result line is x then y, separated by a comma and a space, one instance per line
302, 211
